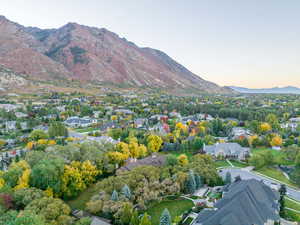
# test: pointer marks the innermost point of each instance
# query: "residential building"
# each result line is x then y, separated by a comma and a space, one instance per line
227, 150
245, 202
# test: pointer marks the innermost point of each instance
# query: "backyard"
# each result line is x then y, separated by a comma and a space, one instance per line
279, 155
176, 208
80, 201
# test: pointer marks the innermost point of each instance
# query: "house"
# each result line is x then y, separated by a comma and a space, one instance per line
161, 128
124, 111
295, 120
140, 122
152, 160
20, 115
24, 125
10, 125
290, 125
102, 139
80, 122
244, 202
239, 133
227, 150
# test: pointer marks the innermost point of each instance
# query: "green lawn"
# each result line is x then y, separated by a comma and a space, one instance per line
292, 216
221, 163
87, 129
279, 155
276, 174
238, 164
83, 198
175, 207
292, 204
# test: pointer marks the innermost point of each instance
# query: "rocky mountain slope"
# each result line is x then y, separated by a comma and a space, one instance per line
9, 79
91, 55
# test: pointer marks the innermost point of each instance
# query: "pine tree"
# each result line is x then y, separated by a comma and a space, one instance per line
135, 218
114, 196
228, 178
145, 220
165, 218
126, 191
198, 181
191, 183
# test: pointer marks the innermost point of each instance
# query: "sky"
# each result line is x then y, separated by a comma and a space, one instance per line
254, 43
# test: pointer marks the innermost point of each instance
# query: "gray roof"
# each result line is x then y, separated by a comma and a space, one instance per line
227, 148
247, 202
152, 160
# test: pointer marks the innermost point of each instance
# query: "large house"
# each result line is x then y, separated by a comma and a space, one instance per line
227, 150
80, 122
245, 202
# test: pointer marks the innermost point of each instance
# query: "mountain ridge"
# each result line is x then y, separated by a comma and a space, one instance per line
91, 55
274, 90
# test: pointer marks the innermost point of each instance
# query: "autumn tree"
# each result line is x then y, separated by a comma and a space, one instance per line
154, 143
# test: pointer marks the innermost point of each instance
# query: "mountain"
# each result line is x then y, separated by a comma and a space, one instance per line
9, 79
275, 90
75, 52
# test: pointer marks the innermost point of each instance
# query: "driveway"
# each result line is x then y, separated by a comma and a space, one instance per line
245, 175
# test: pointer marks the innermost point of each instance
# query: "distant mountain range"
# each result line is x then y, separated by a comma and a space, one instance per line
90, 55
275, 90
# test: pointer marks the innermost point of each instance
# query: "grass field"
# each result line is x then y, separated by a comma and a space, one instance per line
177, 153
292, 204
276, 174
292, 216
83, 198
279, 155
239, 164
175, 207
221, 163
87, 129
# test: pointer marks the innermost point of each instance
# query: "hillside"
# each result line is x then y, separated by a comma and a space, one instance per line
92, 55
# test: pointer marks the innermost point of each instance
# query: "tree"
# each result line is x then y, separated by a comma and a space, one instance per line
171, 160
228, 178
25, 196
57, 129
183, 160
54, 210
165, 218
126, 191
154, 143
38, 134
276, 141
145, 220
198, 181
47, 173
127, 212
191, 183
114, 196
265, 127
134, 218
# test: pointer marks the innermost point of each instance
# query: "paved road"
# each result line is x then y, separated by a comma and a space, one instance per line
244, 174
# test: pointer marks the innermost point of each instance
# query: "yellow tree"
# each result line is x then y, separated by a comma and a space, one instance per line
265, 127
2, 181
154, 143
276, 141
142, 151
89, 172
123, 148
23, 181
134, 149
72, 182
183, 160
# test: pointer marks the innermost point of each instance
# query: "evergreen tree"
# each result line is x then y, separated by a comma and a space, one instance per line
145, 220
228, 178
165, 218
198, 181
191, 183
135, 218
114, 196
126, 191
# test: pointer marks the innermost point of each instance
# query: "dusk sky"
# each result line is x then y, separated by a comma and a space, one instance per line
254, 43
